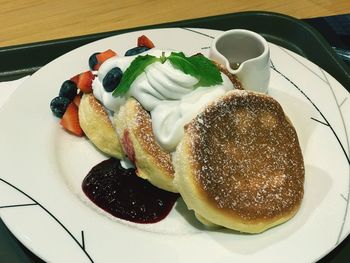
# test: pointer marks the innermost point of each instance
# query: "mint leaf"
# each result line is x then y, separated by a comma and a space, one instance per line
208, 72
181, 62
136, 68
197, 66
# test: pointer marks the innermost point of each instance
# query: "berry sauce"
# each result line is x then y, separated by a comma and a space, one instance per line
123, 194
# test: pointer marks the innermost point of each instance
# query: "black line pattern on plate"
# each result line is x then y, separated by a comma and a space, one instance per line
36, 203
314, 119
341, 103
82, 240
347, 154
344, 197
305, 66
17, 205
198, 32
325, 122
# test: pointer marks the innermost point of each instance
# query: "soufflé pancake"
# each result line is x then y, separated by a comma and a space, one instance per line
98, 127
134, 128
239, 164
188, 126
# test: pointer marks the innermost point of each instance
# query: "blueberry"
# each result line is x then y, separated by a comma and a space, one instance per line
68, 90
112, 79
136, 50
93, 60
59, 105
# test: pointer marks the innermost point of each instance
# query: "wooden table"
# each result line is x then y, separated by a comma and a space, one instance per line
27, 21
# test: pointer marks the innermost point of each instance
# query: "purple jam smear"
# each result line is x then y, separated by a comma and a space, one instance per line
123, 194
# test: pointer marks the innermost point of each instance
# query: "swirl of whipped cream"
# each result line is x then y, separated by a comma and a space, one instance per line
166, 92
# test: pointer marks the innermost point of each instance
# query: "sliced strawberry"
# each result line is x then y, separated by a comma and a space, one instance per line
70, 120
128, 146
77, 99
84, 81
144, 41
75, 79
103, 56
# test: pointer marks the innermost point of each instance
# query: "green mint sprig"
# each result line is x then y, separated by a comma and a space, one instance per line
137, 66
197, 66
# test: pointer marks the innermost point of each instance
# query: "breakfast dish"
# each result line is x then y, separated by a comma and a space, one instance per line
238, 161
170, 88
44, 192
97, 126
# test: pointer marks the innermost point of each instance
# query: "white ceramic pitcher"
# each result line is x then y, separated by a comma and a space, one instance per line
246, 54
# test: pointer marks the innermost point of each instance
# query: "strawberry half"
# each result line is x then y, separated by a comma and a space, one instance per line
77, 99
103, 56
70, 120
144, 41
84, 81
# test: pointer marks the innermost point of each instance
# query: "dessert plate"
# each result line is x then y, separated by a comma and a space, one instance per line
42, 168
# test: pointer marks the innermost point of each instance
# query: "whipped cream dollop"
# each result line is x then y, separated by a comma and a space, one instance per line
167, 93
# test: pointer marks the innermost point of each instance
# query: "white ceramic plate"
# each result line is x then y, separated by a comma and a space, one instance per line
42, 168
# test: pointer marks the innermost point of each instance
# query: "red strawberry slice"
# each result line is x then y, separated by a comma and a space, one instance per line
77, 99
70, 120
84, 81
75, 79
103, 56
128, 146
144, 41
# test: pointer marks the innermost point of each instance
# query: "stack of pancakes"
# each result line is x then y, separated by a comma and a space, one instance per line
239, 164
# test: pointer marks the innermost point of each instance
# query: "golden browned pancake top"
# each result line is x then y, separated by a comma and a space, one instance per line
246, 157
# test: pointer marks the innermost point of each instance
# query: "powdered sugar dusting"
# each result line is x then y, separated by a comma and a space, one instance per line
148, 141
247, 156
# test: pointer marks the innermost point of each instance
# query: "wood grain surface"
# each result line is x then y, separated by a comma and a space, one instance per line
36, 20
